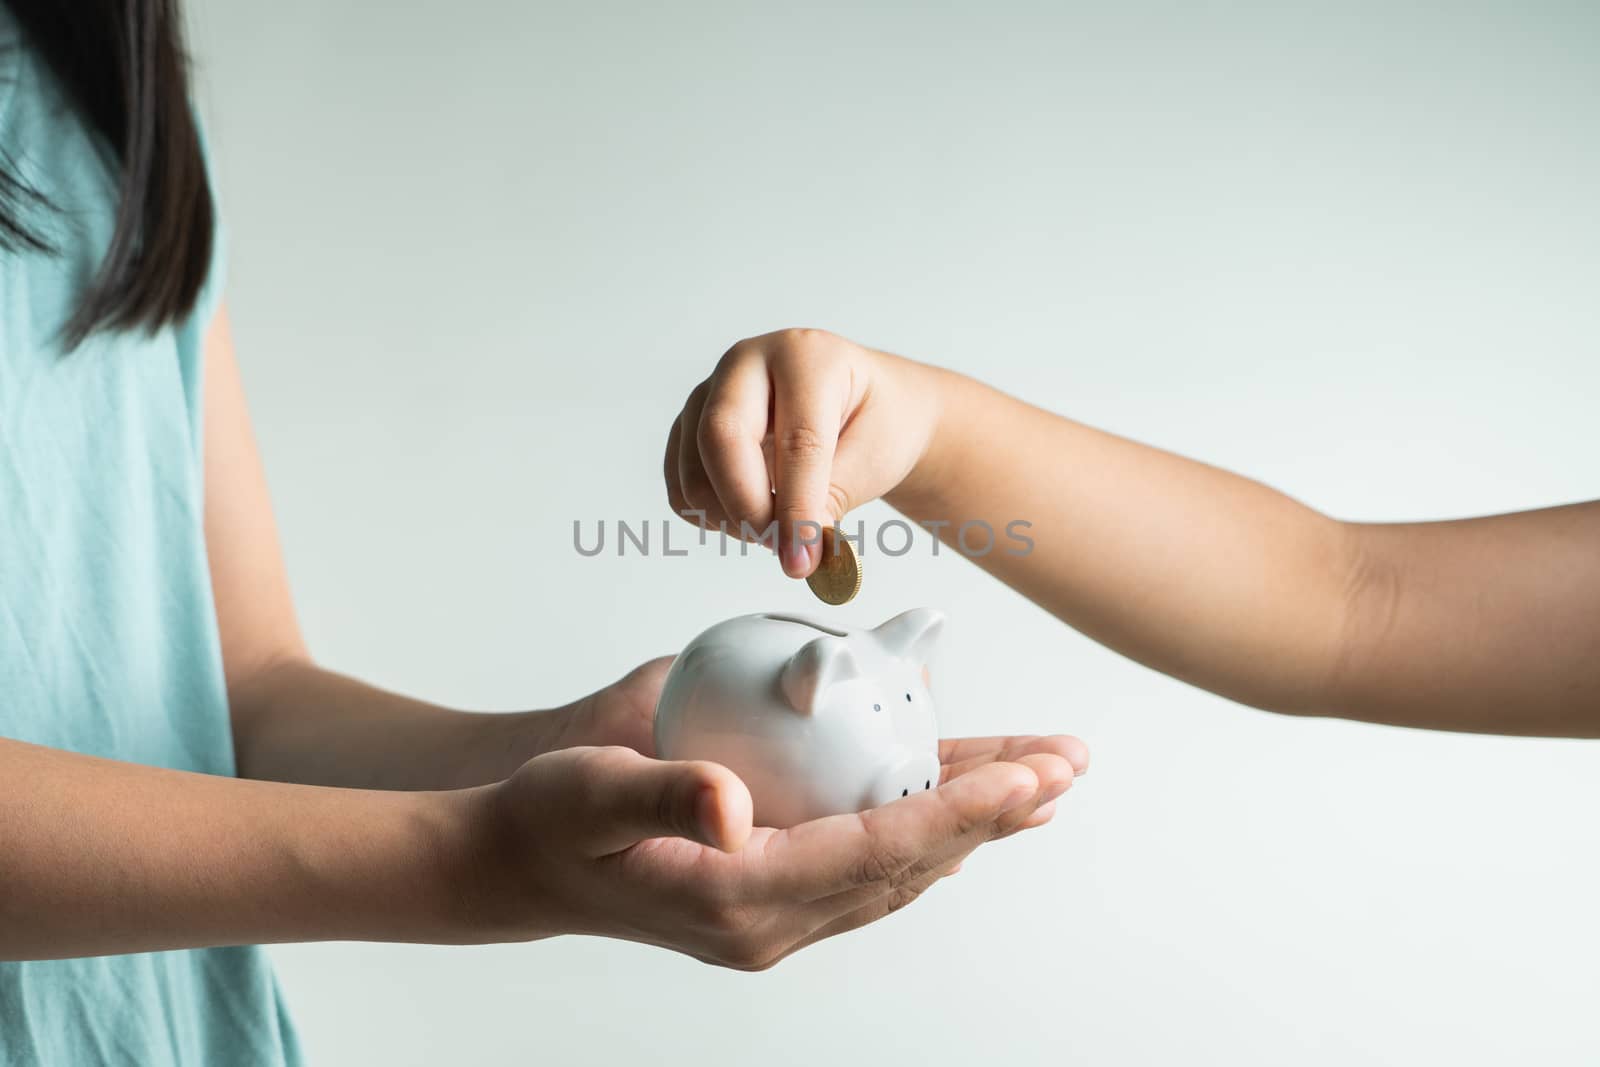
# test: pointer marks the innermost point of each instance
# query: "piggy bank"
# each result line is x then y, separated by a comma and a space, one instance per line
817, 719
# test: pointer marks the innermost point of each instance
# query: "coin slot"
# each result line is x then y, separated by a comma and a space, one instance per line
811, 625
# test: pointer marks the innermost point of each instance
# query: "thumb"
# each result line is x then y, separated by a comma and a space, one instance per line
630, 798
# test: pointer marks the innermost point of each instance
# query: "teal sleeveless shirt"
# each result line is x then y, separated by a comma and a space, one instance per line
108, 636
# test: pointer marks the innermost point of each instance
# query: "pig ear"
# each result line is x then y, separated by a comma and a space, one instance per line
912, 634
811, 670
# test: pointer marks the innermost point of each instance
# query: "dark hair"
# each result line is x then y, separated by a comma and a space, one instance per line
123, 64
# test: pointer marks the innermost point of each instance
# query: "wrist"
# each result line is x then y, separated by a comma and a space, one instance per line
461, 839
496, 744
402, 869
934, 392
494, 870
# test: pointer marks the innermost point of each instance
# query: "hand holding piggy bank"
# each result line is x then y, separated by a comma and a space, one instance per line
816, 719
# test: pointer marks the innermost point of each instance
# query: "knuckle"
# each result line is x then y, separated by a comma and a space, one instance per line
602, 760
838, 499
802, 442
751, 957
720, 428
794, 511
798, 515
969, 822
670, 810
738, 350
878, 866
804, 338
596, 768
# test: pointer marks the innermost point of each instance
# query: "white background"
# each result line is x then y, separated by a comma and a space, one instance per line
481, 250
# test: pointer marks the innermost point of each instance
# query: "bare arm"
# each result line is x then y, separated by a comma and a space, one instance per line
103, 857
1486, 624
99, 857
1489, 624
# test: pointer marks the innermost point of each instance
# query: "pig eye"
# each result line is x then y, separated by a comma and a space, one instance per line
908, 698
877, 707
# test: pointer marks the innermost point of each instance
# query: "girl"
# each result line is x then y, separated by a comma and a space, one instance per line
182, 781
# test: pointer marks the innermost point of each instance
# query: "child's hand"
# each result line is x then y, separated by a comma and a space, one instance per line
798, 426
607, 841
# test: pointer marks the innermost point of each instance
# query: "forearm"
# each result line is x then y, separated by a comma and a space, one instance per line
1188, 569
1485, 624
99, 857
296, 722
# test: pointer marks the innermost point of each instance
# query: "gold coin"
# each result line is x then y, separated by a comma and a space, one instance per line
837, 578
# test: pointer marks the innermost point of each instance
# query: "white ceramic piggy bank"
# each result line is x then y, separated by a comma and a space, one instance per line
816, 719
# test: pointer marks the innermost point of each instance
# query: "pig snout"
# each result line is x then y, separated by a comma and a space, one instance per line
906, 773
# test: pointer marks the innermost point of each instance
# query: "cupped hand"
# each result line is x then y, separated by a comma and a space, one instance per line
607, 841
797, 428
623, 713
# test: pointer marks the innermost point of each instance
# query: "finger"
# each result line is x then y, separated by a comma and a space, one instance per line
807, 411
957, 756
883, 906
1041, 815
950, 853
1054, 777
871, 849
693, 483
856, 908
616, 798
959, 749
669, 469
732, 424
672, 466
900, 896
